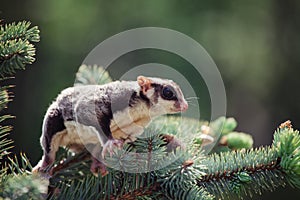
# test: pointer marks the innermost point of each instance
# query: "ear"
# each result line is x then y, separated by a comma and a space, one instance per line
144, 83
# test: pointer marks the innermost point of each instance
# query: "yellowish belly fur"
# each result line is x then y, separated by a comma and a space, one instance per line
126, 126
76, 135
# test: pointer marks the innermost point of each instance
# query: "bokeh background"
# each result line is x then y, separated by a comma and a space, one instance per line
255, 45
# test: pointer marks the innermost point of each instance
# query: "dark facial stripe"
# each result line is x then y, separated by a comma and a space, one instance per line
145, 98
157, 91
133, 100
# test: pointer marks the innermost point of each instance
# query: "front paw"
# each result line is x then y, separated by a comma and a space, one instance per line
110, 145
172, 143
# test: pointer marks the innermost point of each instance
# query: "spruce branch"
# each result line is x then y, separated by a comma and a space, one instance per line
174, 180
16, 46
16, 181
19, 187
178, 180
287, 146
20, 30
16, 50
224, 172
244, 173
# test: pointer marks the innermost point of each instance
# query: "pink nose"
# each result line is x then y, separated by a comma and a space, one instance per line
184, 106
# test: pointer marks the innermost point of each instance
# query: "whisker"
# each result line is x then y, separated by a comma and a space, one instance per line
188, 98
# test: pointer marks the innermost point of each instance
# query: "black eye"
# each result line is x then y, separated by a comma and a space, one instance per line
168, 93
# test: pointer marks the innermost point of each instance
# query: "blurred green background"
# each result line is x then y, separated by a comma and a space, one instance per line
255, 45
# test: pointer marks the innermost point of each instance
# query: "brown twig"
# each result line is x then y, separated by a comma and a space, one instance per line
132, 195
230, 174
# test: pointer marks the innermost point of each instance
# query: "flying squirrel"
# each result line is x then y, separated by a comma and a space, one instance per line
114, 113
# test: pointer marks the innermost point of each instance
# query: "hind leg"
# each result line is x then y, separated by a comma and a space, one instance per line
47, 160
50, 153
52, 134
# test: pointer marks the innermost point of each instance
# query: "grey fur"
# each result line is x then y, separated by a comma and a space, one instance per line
92, 105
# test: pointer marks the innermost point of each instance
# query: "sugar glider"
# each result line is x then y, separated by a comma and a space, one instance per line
112, 114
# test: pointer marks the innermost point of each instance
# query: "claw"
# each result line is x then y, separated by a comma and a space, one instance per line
41, 168
41, 172
110, 145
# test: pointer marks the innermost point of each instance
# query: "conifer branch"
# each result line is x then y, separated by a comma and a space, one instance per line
241, 173
16, 48
16, 51
244, 173
20, 30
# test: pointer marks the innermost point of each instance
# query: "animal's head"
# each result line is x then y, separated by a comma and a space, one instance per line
165, 95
